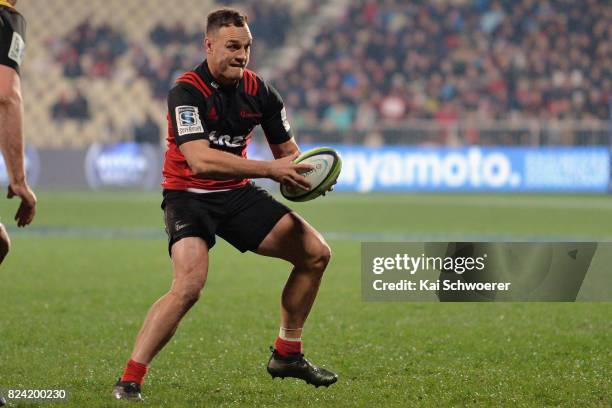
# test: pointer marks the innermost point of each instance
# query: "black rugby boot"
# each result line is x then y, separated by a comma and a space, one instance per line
299, 367
127, 390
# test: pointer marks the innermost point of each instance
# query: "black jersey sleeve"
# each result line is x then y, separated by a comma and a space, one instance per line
186, 109
12, 38
275, 124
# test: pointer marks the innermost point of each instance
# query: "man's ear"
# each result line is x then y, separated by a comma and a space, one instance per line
208, 45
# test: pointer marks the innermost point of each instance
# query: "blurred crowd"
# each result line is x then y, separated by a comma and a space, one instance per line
71, 107
393, 60
269, 22
92, 51
387, 61
88, 50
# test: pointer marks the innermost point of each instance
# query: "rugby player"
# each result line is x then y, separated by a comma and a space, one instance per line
12, 45
212, 111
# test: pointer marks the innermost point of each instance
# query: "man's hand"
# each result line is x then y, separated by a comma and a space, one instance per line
331, 188
286, 172
27, 208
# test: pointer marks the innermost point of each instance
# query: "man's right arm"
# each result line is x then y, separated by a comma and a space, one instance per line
186, 109
11, 117
219, 165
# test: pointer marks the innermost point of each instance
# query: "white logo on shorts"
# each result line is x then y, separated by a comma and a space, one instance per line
178, 226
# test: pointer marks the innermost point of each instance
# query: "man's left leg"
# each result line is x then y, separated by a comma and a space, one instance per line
295, 241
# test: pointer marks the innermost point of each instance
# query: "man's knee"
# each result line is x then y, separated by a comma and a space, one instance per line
5, 243
188, 291
317, 256
190, 260
189, 280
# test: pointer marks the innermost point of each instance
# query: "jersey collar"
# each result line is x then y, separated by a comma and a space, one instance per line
205, 73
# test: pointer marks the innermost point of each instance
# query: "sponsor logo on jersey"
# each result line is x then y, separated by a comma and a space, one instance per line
245, 114
212, 114
227, 140
17, 48
188, 120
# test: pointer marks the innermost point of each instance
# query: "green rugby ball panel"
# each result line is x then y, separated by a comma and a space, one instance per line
327, 165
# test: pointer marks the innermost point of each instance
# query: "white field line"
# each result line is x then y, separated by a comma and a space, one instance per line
352, 236
601, 203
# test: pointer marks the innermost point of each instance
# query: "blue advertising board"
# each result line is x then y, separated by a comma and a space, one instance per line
123, 165
473, 169
31, 164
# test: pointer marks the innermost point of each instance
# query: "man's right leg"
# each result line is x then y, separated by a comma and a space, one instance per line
190, 264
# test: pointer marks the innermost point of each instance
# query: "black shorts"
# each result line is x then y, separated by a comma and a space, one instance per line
243, 216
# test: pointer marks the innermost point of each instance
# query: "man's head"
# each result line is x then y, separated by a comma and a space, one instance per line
12, 2
227, 44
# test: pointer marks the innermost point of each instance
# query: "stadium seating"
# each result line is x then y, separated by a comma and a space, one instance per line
452, 63
118, 93
481, 59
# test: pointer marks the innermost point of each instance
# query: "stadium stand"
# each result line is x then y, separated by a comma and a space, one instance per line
385, 71
112, 54
476, 60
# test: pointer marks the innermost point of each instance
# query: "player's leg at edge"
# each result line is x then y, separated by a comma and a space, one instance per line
5, 243
295, 241
190, 268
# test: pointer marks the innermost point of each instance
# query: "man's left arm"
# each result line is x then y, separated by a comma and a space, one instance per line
289, 148
277, 129
285, 149
276, 126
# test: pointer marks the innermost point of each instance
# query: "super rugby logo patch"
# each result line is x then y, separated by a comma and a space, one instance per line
188, 120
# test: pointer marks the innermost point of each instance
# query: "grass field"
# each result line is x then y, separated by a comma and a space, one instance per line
78, 283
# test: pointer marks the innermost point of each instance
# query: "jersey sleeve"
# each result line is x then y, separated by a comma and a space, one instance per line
12, 38
275, 124
186, 109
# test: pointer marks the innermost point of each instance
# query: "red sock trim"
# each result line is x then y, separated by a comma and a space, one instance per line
134, 372
287, 347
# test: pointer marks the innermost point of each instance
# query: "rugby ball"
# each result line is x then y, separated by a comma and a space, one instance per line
327, 165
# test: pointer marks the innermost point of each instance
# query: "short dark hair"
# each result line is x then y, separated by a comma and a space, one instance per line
225, 17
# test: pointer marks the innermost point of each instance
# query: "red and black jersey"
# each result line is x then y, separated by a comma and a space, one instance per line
12, 36
201, 108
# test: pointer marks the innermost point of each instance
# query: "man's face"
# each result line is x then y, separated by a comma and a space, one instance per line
227, 52
12, 2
